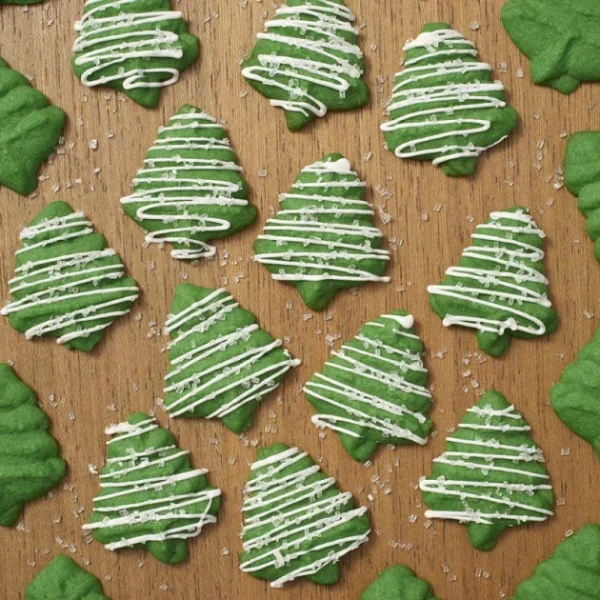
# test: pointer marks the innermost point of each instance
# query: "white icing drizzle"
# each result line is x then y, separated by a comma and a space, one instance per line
475, 456
315, 225
293, 513
328, 22
174, 188
428, 105
355, 402
62, 277
168, 506
106, 41
251, 386
512, 274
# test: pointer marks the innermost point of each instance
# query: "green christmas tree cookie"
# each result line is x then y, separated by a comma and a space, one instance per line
374, 389
191, 189
150, 495
297, 523
63, 578
67, 284
576, 398
30, 463
398, 583
133, 46
323, 238
30, 128
445, 106
560, 38
582, 177
571, 573
499, 287
308, 61
222, 365
491, 476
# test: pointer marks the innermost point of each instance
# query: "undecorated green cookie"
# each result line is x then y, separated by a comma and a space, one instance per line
323, 239
19, 1
297, 523
67, 283
582, 177
445, 106
307, 61
30, 128
30, 463
133, 46
571, 573
190, 189
222, 365
150, 496
398, 583
64, 579
499, 287
491, 476
374, 389
560, 38
576, 398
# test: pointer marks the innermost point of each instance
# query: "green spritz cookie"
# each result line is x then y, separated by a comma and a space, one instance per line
63, 578
30, 463
297, 523
445, 106
308, 61
150, 496
576, 398
190, 189
571, 573
222, 364
499, 287
560, 38
67, 283
491, 476
374, 389
398, 583
323, 239
30, 128
582, 177
133, 46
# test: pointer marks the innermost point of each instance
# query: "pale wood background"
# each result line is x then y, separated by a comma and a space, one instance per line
432, 216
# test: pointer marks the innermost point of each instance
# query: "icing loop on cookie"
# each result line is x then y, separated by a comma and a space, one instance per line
374, 389
324, 232
296, 520
61, 290
190, 189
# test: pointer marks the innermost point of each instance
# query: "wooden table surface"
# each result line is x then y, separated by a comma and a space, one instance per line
432, 218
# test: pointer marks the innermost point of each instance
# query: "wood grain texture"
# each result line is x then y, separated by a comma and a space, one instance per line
432, 214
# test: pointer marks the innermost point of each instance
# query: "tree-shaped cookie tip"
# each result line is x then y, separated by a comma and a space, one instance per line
133, 46
374, 389
492, 475
575, 398
571, 573
398, 583
582, 178
297, 523
445, 106
150, 495
323, 238
559, 38
67, 283
30, 128
190, 189
30, 463
307, 61
499, 287
222, 364
63, 578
